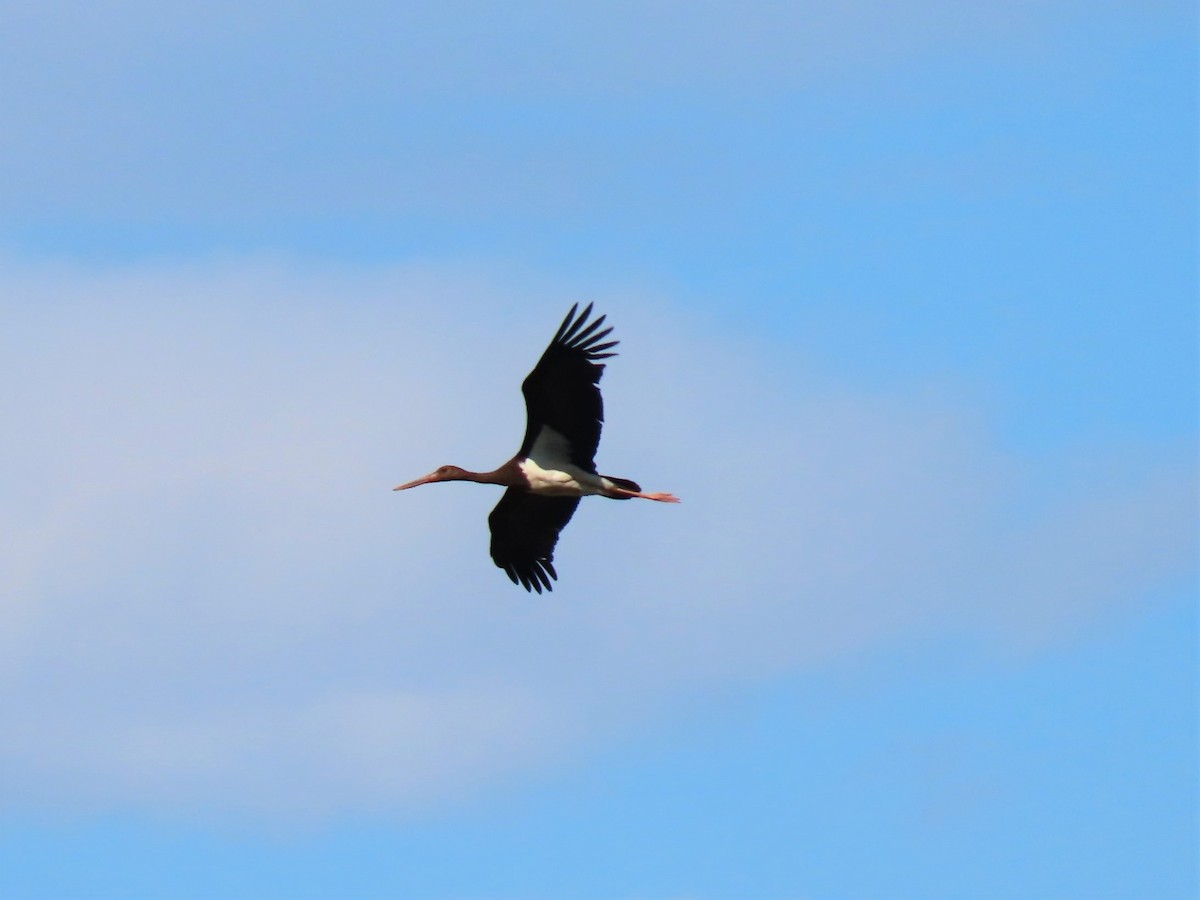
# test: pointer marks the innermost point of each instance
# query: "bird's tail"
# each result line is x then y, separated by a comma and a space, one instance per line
625, 484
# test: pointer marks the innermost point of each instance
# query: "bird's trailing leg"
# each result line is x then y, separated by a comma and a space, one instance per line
618, 493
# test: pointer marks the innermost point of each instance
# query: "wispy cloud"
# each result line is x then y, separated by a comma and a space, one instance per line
209, 596
244, 111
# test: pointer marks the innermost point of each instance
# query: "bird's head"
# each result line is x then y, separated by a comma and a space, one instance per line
442, 473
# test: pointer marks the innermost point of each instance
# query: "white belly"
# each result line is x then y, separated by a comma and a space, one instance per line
567, 481
549, 471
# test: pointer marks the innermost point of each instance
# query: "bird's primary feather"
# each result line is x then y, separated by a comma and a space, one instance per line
525, 529
562, 393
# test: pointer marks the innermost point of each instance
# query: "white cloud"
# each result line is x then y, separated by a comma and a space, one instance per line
208, 593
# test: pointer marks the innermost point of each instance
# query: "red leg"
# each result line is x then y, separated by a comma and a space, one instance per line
660, 497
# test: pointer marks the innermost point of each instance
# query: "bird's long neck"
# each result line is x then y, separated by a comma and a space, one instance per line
506, 475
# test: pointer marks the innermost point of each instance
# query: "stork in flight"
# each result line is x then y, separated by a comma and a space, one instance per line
556, 463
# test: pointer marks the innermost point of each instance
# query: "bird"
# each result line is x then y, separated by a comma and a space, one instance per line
556, 464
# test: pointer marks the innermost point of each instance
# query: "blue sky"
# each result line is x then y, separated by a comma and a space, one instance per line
907, 300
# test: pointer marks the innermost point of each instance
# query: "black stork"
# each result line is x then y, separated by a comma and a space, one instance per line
556, 463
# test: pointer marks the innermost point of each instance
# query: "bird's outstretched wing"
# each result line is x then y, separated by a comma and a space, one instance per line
525, 529
562, 393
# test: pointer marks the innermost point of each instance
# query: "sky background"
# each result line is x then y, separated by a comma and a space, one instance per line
907, 301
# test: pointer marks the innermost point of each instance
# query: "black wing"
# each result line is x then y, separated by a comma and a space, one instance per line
561, 392
525, 529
